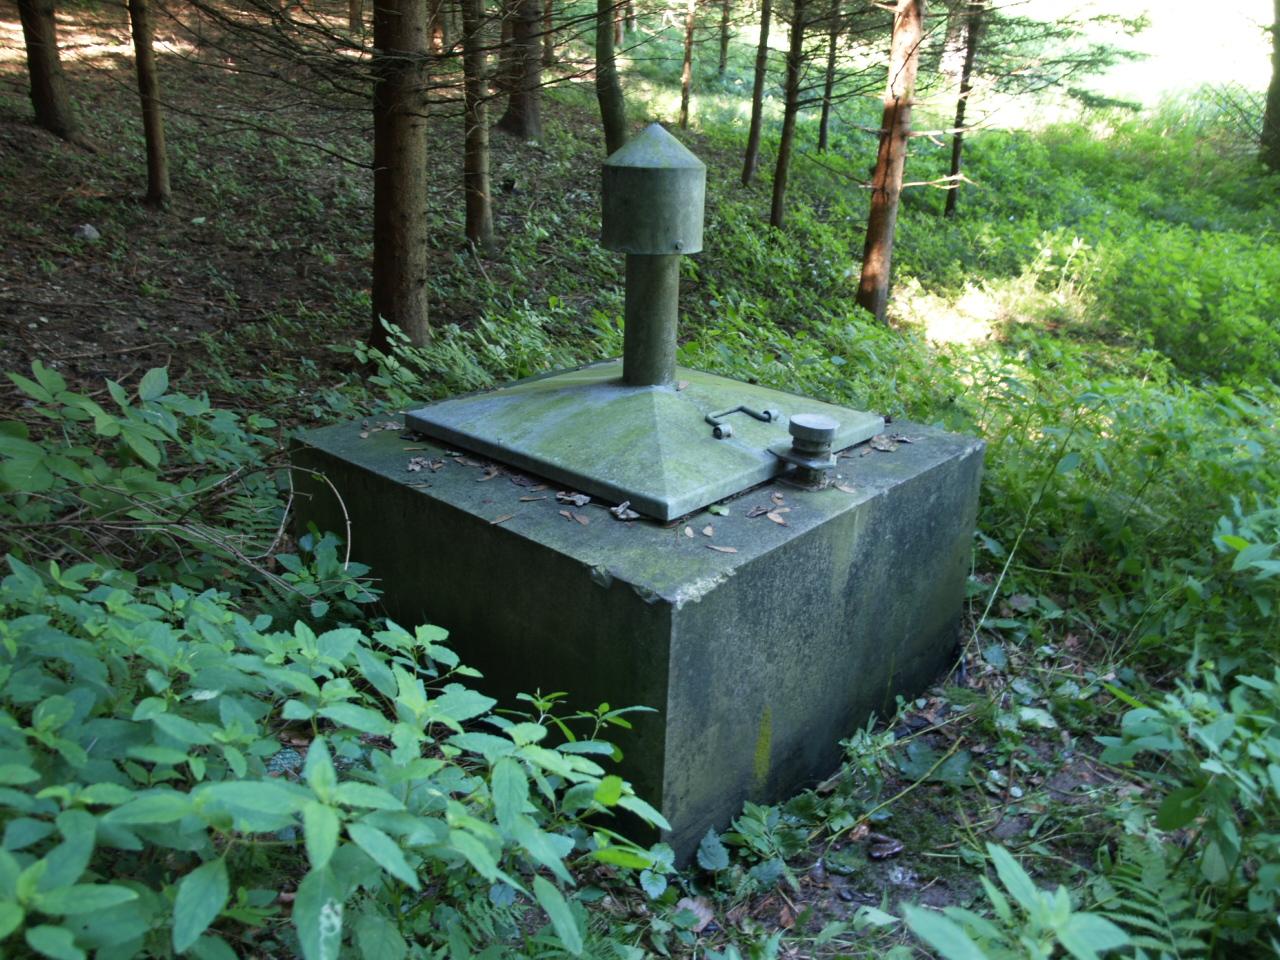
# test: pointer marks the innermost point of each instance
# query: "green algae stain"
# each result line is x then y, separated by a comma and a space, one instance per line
764, 744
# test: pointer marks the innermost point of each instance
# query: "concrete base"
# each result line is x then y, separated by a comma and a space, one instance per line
758, 661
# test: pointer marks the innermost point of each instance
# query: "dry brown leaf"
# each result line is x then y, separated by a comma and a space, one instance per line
412, 448
786, 918
846, 488
531, 499
468, 462
700, 908
489, 474
581, 519
776, 517
688, 531
364, 434
502, 519
757, 511
682, 384
577, 499
720, 549
708, 531
776, 497
623, 511
566, 514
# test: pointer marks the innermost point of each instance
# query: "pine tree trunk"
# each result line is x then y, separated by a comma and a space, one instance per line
613, 108
355, 16
523, 117
631, 16
508, 55
886, 183
829, 81
791, 107
686, 74
617, 26
752, 156
724, 36
548, 35
971, 40
49, 94
475, 157
149, 91
1271, 116
401, 260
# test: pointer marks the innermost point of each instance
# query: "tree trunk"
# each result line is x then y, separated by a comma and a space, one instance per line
1271, 116
355, 16
475, 157
829, 81
631, 16
886, 183
686, 74
48, 86
523, 117
149, 91
752, 156
508, 55
724, 36
613, 108
617, 26
971, 40
791, 107
548, 35
400, 160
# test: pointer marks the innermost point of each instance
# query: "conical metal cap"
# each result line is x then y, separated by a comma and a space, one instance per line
653, 195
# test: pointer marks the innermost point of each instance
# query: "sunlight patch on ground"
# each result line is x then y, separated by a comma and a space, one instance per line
968, 318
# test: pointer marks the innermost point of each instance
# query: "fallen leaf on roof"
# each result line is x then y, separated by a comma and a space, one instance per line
577, 499
776, 517
530, 499
708, 531
720, 549
468, 462
623, 511
757, 511
688, 531
846, 488
502, 519
682, 384
719, 509
581, 519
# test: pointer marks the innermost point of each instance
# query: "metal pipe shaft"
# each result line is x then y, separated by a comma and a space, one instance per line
652, 309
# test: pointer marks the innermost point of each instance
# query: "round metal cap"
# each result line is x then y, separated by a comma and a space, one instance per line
813, 427
652, 195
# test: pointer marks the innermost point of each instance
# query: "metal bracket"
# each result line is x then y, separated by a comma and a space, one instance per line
723, 431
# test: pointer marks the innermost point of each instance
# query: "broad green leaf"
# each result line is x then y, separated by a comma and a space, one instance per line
385, 852
153, 385
17, 774
548, 849
1014, 878
82, 898
562, 919
1086, 935
318, 770
653, 884
160, 806
622, 857
378, 939
55, 942
320, 827
357, 718
510, 790
941, 933
458, 703
1178, 808
477, 854
182, 729
353, 793
11, 917
201, 896
317, 915
645, 811
609, 792
712, 854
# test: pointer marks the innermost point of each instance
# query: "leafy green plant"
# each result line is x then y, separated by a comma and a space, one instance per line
1028, 922
171, 766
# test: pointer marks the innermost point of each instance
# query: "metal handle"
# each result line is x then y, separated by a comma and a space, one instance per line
722, 431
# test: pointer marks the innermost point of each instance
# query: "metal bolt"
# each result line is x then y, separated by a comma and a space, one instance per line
812, 435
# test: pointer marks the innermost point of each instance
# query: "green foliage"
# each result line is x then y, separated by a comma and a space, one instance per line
150, 802
1041, 922
1218, 749
1146, 894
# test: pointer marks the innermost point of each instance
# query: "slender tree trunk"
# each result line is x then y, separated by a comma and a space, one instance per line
355, 16
149, 90
631, 16
1271, 116
829, 81
508, 55
401, 262
523, 117
548, 35
971, 41
475, 157
951, 57
436, 26
686, 74
613, 108
724, 36
49, 94
791, 107
617, 26
752, 156
886, 182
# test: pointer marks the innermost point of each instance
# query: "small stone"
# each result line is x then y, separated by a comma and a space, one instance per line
87, 232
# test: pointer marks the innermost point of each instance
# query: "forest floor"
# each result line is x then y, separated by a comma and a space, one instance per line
258, 270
